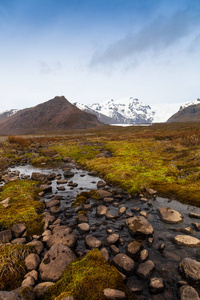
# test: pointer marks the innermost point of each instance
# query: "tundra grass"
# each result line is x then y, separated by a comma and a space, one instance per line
24, 206
86, 279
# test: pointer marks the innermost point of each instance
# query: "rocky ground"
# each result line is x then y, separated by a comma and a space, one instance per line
123, 228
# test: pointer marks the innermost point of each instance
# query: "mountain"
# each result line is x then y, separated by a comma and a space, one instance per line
190, 112
53, 116
126, 111
8, 113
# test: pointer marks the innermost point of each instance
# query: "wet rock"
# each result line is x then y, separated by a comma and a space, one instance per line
134, 248
139, 225
186, 240
68, 173
101, 184
62, 235
55, 261
196, 226
46, 188
187, 230
5, 236
105, 253
92, 242
114, 249
61, 188
38, 176
188, 292
143, 199
135, 209
55, 209
39, 247
113, 294
18, 229
156, 285
144, 214
51, 176
110, 216
84, 227
101, 210
145, 269
194, 215
41, 288
93, 173
32, 261
113, 238
104, 193
61, 181
48, 219
190, 269
169, 215
122, 210
81, 218
108, 200
124, 263
52, 202
144, 255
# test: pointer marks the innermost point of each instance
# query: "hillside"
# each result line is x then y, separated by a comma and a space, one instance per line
53, 116
8, 113
188, 113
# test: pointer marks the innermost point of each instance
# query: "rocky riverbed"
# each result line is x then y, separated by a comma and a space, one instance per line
154, 242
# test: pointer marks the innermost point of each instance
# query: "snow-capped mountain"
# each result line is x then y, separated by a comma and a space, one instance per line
195, 102
189, 112
125, 111
8, 113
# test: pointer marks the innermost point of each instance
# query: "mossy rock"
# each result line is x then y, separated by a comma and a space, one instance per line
79, 201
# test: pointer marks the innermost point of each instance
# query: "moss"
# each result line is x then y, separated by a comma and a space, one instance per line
26, 292
12, 266
39, 160
82, 212
23, 206
79, 201
86, 279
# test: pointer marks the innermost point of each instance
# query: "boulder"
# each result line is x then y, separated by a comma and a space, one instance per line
104, 193
194, 215
170, 216
41, 288
38, 176
139, 225
19, 241
145, 269
124, 263
52, 202
51, 176
122, 210
188, 293
113, 238
84, 227
10, 296
92, 242
18, 229
32, 261
55, 261
28, 281
134, 248
196, 225
101, 210
186, 240
190, 269
144, 255
68, 173
156, 285
39, 247
5, 236
113, 294
62, 235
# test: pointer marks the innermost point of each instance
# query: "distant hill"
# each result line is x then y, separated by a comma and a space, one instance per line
8, 113
53, 116
190, 112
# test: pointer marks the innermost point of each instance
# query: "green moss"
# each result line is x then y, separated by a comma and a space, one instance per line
79, 201
86, 279
82, 212
26, 292
23, 206
39, 160
12, 266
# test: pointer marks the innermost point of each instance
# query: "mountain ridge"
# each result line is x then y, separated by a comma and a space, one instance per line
190, 112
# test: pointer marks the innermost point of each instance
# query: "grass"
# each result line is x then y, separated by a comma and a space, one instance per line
86, 279
12, 266
23, 206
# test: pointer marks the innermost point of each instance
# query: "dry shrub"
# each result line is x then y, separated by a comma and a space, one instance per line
18, 140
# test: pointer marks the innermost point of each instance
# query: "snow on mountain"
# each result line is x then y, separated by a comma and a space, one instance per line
8, 113
124, 111
195, 102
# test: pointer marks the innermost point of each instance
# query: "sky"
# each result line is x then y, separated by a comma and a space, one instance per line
95, 50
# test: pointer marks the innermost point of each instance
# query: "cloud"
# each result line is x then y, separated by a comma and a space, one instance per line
153, 38
47, 68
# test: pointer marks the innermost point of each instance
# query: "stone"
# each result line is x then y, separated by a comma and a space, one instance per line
62, 235
61, 188
114, 250
5, 236
194, 215
143, 199
124, 263
92, 242
9, 296
144, 255
19, 241
108, 200
105, 253
67, 159
82, 218
18, 230
33, 274
93, 173
156, 285
28, 281
104, 193
52, 202
113, 238
145, 269
55, 261
61, 181
122, 210
46, 188
190, 269
110, 216
101, 184
68, 173
5, 202
41, 288
84, 227
39, 247
169, 215
196, 225
38, 176
101, 210
113, 294
139, 225
51, 176
48, 219
134, 248
32, 261
55, 209
186, 240
151, 192
144, 214
188, 293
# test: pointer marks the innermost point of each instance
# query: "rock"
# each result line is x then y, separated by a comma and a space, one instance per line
61, 188
101, 184
32, 261
105, 253
67, 159
101, 210
55, 261
196, 226
135, 209
55, 209
38, 176
144, 214
68, 173
122, 210
104, 193
186, 240
19, 241
5, 236
144, 255
124, 263
10, 296
113, 294
93, 173
190, 269
92, 242
145, 269
39, 247
139, 225
28, 281
5, 202
18, 230
143, 199
51, 176
61, 181
134, 248
84, 227
187, 230
108, 200
62, 235
110, 216
113, 238
188, 292
46, 188
151, 192
170, 216
194, 215
41, 288
81, 218
52, 202
114, 250
156, 285
33, 274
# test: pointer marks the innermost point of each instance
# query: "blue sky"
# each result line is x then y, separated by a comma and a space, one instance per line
94, 50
